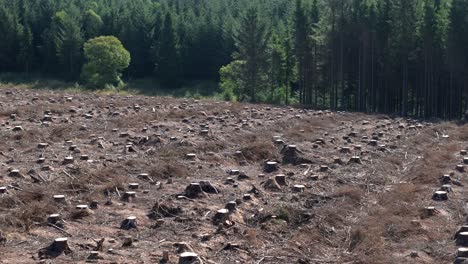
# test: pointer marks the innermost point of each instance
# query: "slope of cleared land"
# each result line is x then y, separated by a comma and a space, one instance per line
345, 188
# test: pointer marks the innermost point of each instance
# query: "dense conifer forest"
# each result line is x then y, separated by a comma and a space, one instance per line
406, 57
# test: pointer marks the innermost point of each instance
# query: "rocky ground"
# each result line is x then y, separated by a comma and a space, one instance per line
133, 179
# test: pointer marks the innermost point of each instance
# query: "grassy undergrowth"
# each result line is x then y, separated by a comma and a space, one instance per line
190, 89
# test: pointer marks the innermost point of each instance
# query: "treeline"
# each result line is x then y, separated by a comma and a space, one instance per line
406, 57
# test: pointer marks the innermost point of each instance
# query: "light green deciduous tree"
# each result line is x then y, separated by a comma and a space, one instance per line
106, 58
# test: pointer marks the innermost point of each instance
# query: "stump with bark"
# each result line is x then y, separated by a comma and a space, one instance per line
57, 248
129, 223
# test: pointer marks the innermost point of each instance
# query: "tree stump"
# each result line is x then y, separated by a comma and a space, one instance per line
446, 188
220, 216
15, 173
462, 252
337, 160
382, 147
191, 156
207, 187
68, 160
440, 196
279, 142
463, 152
445, 179
17, 128
194, 190
53, 219
460, 168
57, 248
94, 205
129, 196
299, 188
59, 198
127, 242
242, 176
247, 197
231, 206
429, 211
133, 185
189, 258
465, 160
129, 223
462, 239
281, 179
144, 176
270, 166
42, 145
463, 228
81, 210
345, 150
355, 159
47, 118
94, 255
323, 168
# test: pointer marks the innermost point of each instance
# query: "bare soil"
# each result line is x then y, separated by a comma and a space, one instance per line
367, 211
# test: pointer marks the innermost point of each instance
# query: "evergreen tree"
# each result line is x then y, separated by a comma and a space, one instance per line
9, 32
92, 24
68, 41
167, 65
26, 57
251, 42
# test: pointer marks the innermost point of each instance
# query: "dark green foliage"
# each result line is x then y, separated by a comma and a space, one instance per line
251, 42
167, 66
390, 56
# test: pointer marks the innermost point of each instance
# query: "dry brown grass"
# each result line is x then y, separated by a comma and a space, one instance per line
433, 165
26, 208
259, 149
461, 133
361, 213
353, 193
169, 169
